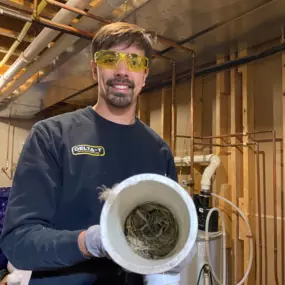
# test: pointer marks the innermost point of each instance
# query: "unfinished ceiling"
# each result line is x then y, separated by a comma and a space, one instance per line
211, 28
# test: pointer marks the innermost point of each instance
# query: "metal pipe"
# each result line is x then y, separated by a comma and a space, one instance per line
220, 67
173, 109
65, 28
275, 208
208, 144
172, 43
161, 38
78, 11
35, 10
46, 23
259, 211
273, 132
192, 124
264, 220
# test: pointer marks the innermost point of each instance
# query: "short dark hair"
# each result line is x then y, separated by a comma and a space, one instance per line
122, 33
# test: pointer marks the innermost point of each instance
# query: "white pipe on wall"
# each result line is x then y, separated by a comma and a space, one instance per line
214, 161
42, 40
87, 24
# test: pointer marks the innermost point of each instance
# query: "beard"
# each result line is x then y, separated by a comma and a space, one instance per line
119, 98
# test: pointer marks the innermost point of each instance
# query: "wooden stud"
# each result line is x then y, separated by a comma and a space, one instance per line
248, 163
235, 102
221, 127
14, 35
198, 107
143, 110
166, 115
282, 192
5, 50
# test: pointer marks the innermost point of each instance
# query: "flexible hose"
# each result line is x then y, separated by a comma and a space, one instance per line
224, 245
249, 234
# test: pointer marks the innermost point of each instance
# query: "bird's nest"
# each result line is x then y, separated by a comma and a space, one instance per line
151, 231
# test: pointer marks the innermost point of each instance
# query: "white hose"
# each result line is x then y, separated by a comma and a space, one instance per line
224, 246
249, 234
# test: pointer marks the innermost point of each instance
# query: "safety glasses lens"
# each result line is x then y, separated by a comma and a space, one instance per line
110, 59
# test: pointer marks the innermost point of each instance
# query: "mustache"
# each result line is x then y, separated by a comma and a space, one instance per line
118, 81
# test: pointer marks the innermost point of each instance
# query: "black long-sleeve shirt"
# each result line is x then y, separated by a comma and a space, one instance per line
55, 191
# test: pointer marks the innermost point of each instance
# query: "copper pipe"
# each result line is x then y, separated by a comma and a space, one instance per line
156, 54
282, 218
162, 39
192, 124
273, 132
65, 27
173, 109
46, 23
78, 11
35, 10
166, 41
275, 208
208, 144
264, 220
58, 27
259, 211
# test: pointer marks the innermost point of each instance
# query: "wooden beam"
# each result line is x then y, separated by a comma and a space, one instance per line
14, 35
49, 12
5, 50
234, 172
282, 191
248, 199
198, 107
166, 115
221, 127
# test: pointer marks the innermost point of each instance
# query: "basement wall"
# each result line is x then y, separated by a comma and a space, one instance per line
19, 131
265, 77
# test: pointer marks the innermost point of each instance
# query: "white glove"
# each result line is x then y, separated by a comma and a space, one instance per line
162, 279
93, 242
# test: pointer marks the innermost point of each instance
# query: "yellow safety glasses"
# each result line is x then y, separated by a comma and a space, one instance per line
110, 59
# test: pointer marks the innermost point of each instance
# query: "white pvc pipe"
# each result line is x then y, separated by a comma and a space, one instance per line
42, 40
209, 171
134, 191
214, 161
87, 24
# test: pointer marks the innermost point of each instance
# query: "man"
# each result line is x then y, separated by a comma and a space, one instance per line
52, 221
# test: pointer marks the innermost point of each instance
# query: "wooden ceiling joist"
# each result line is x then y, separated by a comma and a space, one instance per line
27, 7
14, 35
5, 50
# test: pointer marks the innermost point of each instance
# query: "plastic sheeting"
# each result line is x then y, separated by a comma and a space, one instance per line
4, 194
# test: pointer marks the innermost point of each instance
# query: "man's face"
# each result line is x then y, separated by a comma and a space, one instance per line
120, 87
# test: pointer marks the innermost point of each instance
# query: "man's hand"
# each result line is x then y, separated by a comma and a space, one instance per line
90, 243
